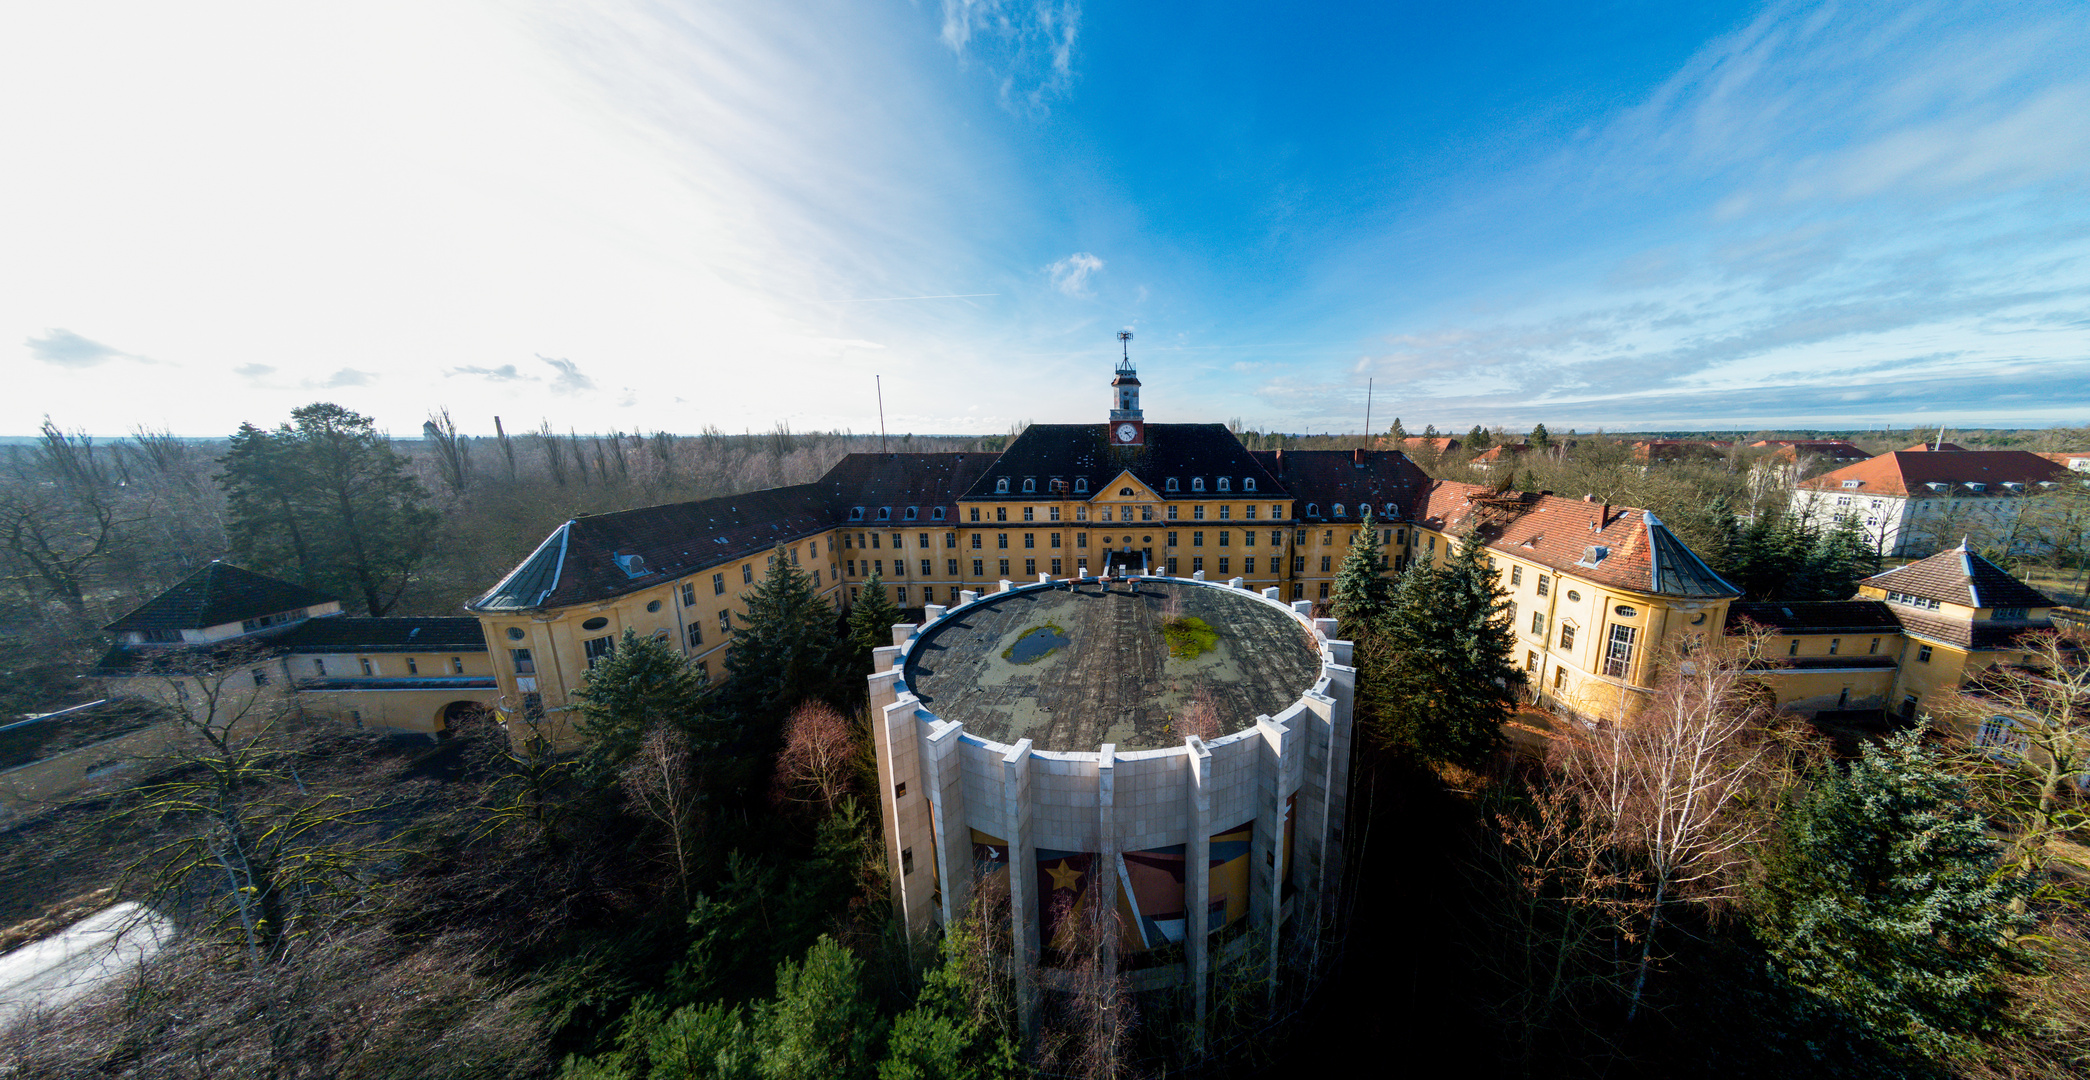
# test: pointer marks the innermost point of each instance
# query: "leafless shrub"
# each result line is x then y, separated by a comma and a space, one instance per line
1200, 716
1088, 1033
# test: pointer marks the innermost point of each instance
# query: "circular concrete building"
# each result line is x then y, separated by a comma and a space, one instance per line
1170, 751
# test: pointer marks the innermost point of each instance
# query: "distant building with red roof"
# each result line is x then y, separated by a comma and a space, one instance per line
1916, 501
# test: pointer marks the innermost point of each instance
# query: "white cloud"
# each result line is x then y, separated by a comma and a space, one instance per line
67, 349
1026, 45
1071, 274
569, 379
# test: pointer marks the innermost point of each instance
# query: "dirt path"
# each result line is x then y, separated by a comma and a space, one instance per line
80, 959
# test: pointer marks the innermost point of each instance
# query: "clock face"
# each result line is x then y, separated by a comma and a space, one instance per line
1126, 432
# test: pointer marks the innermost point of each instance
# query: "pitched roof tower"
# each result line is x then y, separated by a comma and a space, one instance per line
1127, 423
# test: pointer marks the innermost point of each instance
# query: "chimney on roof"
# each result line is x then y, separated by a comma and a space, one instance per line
1357, 456
1280, 459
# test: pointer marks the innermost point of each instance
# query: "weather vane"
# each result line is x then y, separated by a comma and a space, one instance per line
1125, 349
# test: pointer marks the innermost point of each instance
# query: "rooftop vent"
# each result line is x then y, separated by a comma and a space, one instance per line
1594, 554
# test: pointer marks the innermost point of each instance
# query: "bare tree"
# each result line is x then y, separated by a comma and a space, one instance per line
2029, 752
818, 764
236, 807
662, 780
453, 452
1671, 790
61, 518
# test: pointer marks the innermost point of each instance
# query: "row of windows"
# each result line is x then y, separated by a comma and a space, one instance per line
1922, 602
909, 513
369, 667
1792, 648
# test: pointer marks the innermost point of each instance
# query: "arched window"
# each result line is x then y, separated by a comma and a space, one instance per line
1226, 483
1313, 510
1172, 483
1197, 483
1001, 486
885, 513
856, 513
1125, 492
1081, 485
1248, 483
1030, 484
1338, 510
912, 513
1393, 510
936, 514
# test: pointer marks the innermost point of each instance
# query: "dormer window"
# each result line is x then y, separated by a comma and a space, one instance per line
632, 565
1313, 510
2010, 613
936, 514
912, 513
1393, 510
1197, 483
1001, 486
1977, 487
1081, 485
856, 513
1226, 483
1935, 485
1852, 483
1172, 483
1030, 484
1248, 483
1339, 510
1594, 554
885, 513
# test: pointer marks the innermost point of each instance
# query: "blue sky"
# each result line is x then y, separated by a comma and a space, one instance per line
668, 215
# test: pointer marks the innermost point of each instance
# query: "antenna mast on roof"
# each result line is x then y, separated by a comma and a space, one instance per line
1124, 346
1368, 412
1941, 439
879, 382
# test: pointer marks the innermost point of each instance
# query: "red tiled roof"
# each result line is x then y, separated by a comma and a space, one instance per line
1906, 472
1609, 545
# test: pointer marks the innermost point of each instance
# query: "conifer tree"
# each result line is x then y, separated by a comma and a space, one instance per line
1478, 439
642, 684
325, 501
1396, 432
1883, 905
785, 651
1540, 439
1442, 683
871, 622
1361, 590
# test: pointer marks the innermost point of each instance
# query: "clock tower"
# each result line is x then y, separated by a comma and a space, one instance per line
1128, 426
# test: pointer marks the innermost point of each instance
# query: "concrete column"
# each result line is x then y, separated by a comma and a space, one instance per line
912, 850
901, 632
1197, 880
1234, 583
968, 596
1006, 585
1044, 578
1270, 593
1023, 884
1105, 882
1320, 884
1325, 627
1303, 607
943, 781
1266, 866
884, 690
932, 612
884, 657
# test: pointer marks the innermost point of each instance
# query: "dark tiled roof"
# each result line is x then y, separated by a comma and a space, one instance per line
1819, 617
71, 729
1322, 478
1048, 452
1608, 545
251, 650
219, 593
1961, 577
342, 635
899, 482
589, 558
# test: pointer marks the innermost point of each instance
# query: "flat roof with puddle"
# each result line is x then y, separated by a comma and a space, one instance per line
1072, 669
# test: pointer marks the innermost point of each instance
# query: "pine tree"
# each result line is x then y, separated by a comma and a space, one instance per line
1884, 908
1361, 590
1396, 432
1440, 683
1539, 439
642, 684
1478, 439
871, 622
819, 1026
785, 651
1429, 431
325, 500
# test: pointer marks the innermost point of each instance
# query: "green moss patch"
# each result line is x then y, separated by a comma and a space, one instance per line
1189, 637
